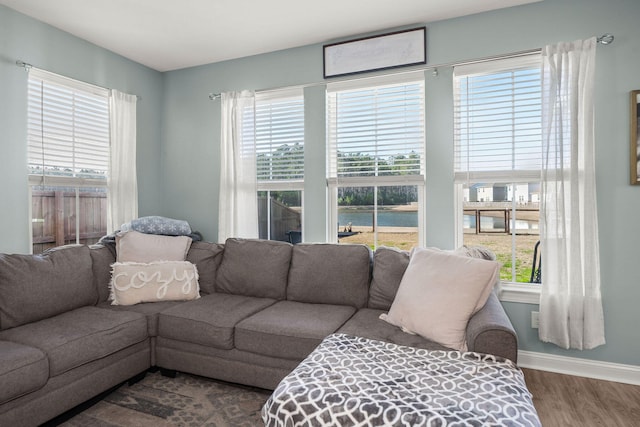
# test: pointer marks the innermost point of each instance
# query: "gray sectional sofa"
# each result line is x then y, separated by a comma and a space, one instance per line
264, 307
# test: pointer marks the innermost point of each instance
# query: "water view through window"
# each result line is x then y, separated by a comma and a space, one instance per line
510, 229
388, 217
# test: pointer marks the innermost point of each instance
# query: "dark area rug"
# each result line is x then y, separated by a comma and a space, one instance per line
186, 400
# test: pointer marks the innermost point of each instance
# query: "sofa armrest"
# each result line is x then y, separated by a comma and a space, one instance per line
490, 331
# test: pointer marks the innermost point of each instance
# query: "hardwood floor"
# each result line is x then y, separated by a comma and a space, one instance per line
564, 400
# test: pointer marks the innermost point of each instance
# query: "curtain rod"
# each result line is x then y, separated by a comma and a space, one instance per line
604, 39
27, 67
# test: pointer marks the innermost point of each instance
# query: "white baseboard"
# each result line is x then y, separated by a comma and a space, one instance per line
628, 374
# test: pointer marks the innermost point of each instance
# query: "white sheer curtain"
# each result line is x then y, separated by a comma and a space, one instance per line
571, 313
122, 198
238, 203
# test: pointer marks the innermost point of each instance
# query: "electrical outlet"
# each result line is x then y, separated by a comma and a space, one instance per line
535, 319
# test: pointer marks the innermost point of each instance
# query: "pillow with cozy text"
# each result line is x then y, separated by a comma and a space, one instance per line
134, 282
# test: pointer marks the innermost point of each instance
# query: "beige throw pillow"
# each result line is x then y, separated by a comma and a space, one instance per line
134, 282
132, 246
439, 293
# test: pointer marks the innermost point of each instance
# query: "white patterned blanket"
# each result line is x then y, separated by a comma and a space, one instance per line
352, 381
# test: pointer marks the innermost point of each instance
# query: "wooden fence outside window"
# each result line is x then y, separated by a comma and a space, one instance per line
58, 217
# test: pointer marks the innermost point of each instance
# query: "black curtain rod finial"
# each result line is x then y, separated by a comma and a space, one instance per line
605, 39
24, 65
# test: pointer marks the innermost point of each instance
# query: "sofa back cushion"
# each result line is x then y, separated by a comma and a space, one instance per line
34, 287
207, 257
330, 274
257, 268
102, 256
389, 265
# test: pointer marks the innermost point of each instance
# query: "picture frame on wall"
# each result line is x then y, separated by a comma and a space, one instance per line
381, 52
634, 153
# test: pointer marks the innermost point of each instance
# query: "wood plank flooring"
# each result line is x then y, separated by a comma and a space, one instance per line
566, 401
560, 400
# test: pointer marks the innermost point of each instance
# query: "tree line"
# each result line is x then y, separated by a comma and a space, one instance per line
287, 163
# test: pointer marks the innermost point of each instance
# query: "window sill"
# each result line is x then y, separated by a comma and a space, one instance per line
519, 292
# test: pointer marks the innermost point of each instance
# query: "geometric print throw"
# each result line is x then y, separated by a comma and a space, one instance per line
354, 381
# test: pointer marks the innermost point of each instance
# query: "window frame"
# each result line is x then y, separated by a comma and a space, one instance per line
269, 185
335, 181
519, 292
75, 181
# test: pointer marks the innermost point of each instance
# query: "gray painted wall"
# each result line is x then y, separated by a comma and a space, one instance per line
191, 137
179, 128
54, 50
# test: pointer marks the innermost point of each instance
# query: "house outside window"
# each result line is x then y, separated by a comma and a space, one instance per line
376, 140
279, 144
68, 160
498, 150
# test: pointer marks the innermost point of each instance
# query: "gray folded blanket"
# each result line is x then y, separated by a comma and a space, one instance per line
156, 225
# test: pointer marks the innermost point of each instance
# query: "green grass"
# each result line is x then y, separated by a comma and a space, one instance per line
500, 244
523, 272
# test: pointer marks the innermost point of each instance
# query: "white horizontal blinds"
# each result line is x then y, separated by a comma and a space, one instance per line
68, 127
279, 136
497, 108
376, 127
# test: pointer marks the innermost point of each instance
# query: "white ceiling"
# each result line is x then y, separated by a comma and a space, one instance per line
170, 34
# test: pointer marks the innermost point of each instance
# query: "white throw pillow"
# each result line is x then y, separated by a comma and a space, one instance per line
132, 246
439, 293
134, 282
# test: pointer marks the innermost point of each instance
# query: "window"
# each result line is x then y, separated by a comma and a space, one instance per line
279, 144
376, 160
498, 158
68, 159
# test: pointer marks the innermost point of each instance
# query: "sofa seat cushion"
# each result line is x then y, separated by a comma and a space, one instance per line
23, 369
367, 324
149, 309
80, 336
290, 329
210, 320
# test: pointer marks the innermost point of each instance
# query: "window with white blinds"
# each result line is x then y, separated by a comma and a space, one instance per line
375, 165
279, 138
497, 160
497, 115
277, 130
68, 128
376, 127
68, 145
